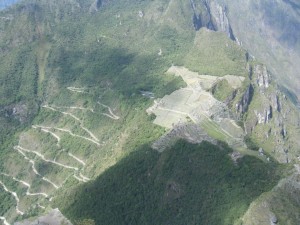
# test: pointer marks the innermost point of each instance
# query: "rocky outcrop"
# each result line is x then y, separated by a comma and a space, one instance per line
275, 102
242, 105
273, 219
219, 19
211, 15
269, 117
265, 116
201, 18
21, 111
97, 4
263, 78
283, 132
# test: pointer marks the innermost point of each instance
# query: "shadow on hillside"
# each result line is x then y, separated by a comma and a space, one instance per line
187, 184
117, 68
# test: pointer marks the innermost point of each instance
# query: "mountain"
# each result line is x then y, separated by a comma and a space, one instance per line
269, 30
144, 112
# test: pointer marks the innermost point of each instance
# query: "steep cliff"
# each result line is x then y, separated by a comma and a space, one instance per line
211, 15
219, 18
269, 30
270, 118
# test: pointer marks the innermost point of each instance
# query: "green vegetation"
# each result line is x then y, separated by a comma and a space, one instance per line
7, 201
214, 130
214, 54
85, 222
222, 90
250, 143
186, 184
79, 85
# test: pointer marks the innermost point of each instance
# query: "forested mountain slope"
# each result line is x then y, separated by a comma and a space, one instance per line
140, 112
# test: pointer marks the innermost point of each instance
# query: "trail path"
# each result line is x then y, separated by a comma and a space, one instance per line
48, 131
78, 178
56, 133
78, 90
49, 181
15, 196
84, 178
73, 107
65, 113
46, 160
77, 159
69, 132
75, 169
4, 220
58, 153
34, 169
42, 207
27, 185
111, 113
77, 119
90, 133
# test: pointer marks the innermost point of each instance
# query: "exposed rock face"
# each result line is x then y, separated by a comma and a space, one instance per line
97, 4
283, 132
220, 19
275, 102
20, 111
201, 18
242, 106
214, 17
274, 37
235, 156
141, 14
262, 76
269, 116
265, 116
273, 219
